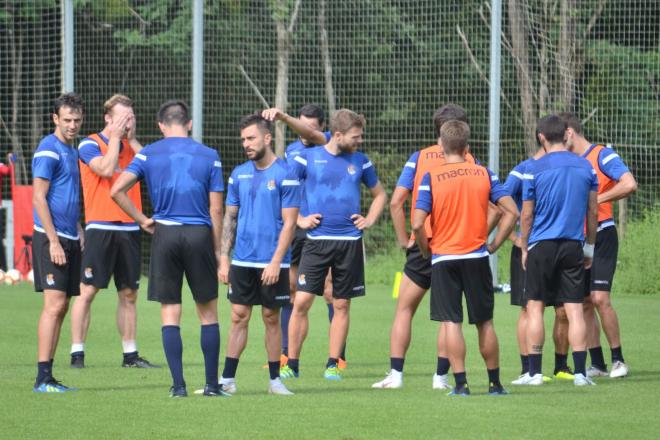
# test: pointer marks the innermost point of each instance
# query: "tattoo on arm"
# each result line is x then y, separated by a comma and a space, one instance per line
229, 229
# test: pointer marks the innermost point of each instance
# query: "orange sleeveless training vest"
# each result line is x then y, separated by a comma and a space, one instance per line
99, 206
604, 183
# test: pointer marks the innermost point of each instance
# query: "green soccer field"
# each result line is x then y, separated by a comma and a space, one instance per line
116, 403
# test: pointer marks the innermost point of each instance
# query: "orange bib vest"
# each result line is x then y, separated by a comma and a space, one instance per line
604, 183
99, 206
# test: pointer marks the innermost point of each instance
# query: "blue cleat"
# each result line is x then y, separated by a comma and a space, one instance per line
332, 373
496, 389
178, 391
462, 391
52, 386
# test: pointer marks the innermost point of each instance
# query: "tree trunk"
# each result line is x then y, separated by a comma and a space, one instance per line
327, 62
520, 50
282, 88
567, 55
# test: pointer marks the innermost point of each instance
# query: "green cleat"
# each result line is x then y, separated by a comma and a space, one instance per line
287, 372
332, 373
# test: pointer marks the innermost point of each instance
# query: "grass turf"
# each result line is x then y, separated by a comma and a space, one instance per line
129, 403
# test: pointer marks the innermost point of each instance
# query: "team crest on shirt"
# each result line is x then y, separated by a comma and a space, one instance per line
88, 273
301, 279
351, 170
50, 279
271, 184
229, 291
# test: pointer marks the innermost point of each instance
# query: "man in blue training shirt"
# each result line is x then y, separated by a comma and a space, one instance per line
58, 238
185, 185
514, 185
559, 190
332, 175
263, 199
310, 126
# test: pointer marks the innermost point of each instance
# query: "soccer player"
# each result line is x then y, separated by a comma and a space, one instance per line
332, 176
615, 182
310, 126
416, 278
514, 185
58, 235
185, 185
263, 199
456, 196
559, 190
113, 238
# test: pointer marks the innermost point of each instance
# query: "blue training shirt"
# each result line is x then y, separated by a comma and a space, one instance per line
559, 183
180, 173
514, 182
292, 151
57, 162
332, 189
261, 195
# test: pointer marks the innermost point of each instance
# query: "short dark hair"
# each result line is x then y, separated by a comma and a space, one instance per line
572, 121
312, 111
448, 112
256, 119
71, 100
174, 112
454, 135
552, 127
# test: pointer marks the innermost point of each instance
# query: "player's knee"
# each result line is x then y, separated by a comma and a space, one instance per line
240, 318
560, 315
341, 306
601, 301
128, 298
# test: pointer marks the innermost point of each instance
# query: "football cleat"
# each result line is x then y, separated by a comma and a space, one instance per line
228, 384
137, 362
564, 374
582, 380
463, 391
341, 364
78, 360
178, 391
496, 389
287, 372
619, 369
215, 390
332, 373
393, 379
277, 387
526, 379
441, 382
594, 371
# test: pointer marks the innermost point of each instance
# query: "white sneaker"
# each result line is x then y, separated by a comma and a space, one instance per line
228, 385
441, 382
619, 369
535, 380
522, 379
581, 380
597, 372
277, 387
394, 379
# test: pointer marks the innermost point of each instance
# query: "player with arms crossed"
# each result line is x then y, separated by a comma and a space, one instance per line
456, 196
417, 270
333, 175
559, 190
113, 238
263, 199
185, 185
58, 236
615, 182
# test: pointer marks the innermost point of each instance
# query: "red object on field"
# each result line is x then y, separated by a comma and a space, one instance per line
21, 196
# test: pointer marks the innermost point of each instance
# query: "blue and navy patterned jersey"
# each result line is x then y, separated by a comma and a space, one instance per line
292, 151
332, 189
180, 173
57, 162
514, 183
559, 183
260, 196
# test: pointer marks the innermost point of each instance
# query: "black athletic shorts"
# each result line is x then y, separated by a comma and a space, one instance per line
180, 249
555, 272
417, 268
48, 275
245, 288
297, 246
111, 254
344, 257
599, 277
517, 278
450, 278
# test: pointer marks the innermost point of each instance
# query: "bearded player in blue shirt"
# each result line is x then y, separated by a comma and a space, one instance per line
333, 175
263, 199
185, 185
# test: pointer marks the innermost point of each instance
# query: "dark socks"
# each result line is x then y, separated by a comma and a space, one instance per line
580, 361
597, 358
274, 369
231, 364
397, 364
561, 362
293, 364
210, 342
343, 352
442, 367
461, 379
331, 312
494, 376
285, 317
535, 364
524, 364
130, 356
617, 355
332, 362
173, 347
44, 372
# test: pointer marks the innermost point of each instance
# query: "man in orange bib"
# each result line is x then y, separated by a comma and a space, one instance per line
113, 238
